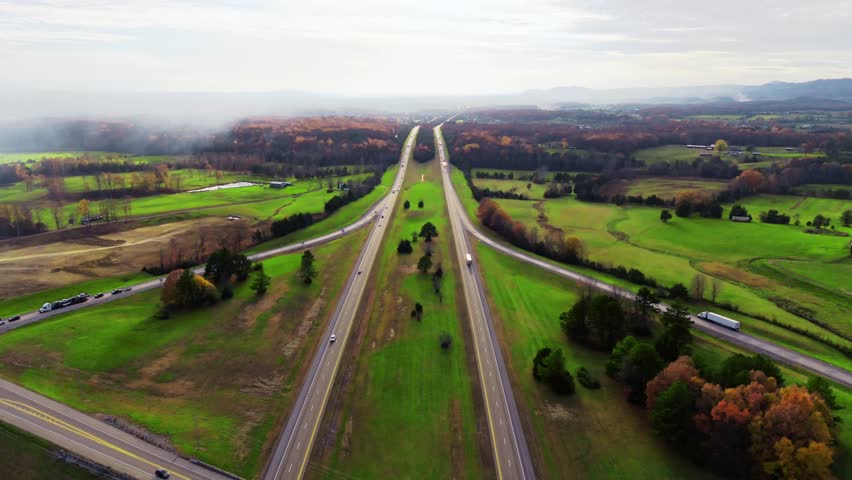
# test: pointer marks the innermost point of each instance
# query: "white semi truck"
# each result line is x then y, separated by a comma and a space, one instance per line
720, 320
469, 259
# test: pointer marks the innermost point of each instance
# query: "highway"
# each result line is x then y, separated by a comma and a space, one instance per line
107, 445
91, 438
34, 316
738, 338
293, 449
511, 454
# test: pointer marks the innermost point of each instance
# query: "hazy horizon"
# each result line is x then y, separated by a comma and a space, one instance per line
381, 48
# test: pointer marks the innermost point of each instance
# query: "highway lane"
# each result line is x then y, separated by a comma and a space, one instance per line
511, 454
91, 438
738, 338
34, 316
293, 449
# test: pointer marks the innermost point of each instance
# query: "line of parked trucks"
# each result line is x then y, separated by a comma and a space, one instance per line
65, 302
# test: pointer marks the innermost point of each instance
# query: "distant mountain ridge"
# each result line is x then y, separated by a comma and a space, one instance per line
834, 89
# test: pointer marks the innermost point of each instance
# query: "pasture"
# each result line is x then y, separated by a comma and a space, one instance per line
674, 153
675, 252
402, 389
217, 382
668, 188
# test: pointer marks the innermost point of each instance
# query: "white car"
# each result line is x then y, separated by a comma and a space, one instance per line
332, 339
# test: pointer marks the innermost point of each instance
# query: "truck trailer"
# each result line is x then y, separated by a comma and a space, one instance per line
720, 320
469, 259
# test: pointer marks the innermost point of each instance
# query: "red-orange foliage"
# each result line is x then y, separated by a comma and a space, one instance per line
682, 369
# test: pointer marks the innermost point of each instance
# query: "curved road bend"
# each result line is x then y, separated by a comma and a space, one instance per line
91, 438
293, 449
511, 454
738, 338
366, 219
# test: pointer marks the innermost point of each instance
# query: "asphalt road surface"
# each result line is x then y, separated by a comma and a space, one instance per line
91, 438
511, 454
738, 338
98, 441
293, 448
32, 317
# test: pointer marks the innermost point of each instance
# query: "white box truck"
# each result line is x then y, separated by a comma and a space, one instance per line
469, 259
720, 320
45, 308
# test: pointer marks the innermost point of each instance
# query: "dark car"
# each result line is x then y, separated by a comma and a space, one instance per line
100, 295
15, 318
128, 289
116, 292
162, 473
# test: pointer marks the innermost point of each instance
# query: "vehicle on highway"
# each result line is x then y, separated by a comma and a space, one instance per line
469, 259
720, 320
117, 291
332, 339
45, 308
99, 295
14, 319
2, 322
160, 473
128, 289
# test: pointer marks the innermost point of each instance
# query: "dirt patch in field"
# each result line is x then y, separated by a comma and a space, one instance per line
295, 343
137, 431
77, 258
557, 411
734, 274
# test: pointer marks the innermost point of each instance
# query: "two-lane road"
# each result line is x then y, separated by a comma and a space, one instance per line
293, 449
92, 438
511, 454
31, 317
738, 338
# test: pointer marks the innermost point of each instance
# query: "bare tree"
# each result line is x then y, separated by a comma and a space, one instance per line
56, 212
698, 283
715, 288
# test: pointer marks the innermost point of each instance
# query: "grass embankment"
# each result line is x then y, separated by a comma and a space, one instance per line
218, 382
25, 456
405, 400
596, 433
32, 302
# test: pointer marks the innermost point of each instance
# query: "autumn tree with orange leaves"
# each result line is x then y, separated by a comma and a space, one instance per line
753, 430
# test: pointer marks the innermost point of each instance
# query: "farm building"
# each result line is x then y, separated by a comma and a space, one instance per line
280, 184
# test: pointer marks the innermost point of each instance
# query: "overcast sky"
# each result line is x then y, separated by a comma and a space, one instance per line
429, 47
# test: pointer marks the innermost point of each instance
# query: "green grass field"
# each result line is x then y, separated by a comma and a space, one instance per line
808, 188
337, 220
673, 153
595, 434
535, 192
217, 382
28, 457
677, 251
405, 393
